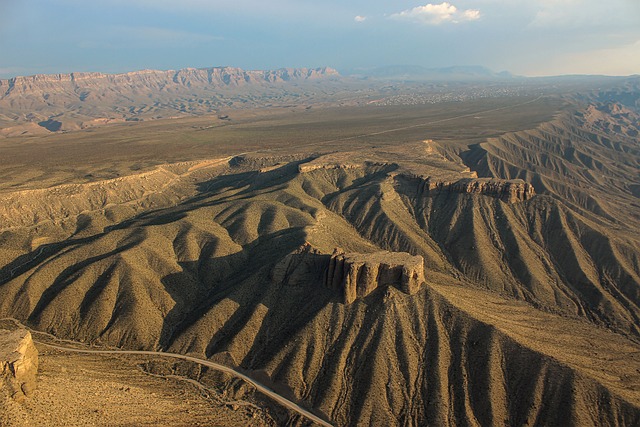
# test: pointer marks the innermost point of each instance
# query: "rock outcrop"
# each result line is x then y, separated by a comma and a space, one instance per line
305, 265
18, 363
41, 104
357, 275
91, 84
509, 190
340, 162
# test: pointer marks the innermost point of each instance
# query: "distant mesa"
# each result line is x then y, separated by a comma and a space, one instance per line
356, 275
327, 165
509, 190
66, 102
83, 84
343, 160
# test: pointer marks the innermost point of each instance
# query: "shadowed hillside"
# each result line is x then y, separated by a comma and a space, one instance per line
529, 314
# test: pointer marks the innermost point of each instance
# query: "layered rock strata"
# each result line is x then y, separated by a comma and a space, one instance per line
508, 190
84, 83
328, 163
18, 363
357, 275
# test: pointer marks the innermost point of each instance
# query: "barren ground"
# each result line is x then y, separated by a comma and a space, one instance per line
183, 236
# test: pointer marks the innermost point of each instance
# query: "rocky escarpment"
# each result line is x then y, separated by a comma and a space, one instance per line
353, 275
357, 275
84, 83
461, 181
508, 190
18, 364
41, 104
312, 166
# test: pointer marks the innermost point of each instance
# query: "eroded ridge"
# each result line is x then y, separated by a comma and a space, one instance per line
357, 275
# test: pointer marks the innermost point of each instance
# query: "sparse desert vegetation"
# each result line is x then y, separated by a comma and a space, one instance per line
215, 237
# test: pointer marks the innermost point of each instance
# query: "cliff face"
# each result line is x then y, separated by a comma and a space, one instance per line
83, 83
353, 275
357, 275
38, 104
18, 363
509, 190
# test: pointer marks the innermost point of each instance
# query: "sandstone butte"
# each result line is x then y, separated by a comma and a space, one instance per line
356, 275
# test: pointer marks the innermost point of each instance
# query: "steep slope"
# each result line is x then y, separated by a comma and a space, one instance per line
70, 101
529, 314
575, 160
587, 162
415, 361
202, 277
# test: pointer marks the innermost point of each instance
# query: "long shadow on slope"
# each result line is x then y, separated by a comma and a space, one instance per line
248, 273
42, 253
289, 303
248, 280
269, 312
225, 188
67, 276
242, 185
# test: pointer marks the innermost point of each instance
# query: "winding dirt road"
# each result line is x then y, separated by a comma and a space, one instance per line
261, 388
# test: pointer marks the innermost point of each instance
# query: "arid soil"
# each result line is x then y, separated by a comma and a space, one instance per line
528, 313
91, 390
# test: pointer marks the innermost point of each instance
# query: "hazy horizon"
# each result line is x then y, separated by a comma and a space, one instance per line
527, 38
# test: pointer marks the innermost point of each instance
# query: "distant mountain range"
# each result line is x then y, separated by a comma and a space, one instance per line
76, 100
44, 103
85, 85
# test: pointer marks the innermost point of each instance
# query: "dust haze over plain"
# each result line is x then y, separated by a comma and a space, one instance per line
539, 37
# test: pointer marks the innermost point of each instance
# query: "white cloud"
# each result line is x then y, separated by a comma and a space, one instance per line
471, 14
360, 18
435, 14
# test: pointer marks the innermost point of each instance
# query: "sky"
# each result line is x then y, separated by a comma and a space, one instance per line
525, 37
